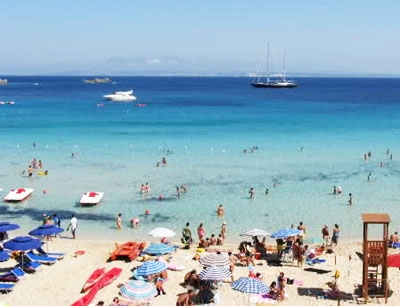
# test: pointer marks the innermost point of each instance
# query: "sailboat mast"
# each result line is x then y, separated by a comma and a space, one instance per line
283, 67
268, 63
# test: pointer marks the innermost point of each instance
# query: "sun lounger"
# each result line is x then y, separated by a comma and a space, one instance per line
42, 259
50, 254
13, 275
4, 287
30, 266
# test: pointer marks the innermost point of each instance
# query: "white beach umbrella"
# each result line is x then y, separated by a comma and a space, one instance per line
255, 232
162, 232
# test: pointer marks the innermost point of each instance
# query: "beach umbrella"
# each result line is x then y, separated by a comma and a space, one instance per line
4, 255
162, 232
250, 285
215, 259
286, 232
138, 290
151, 267
393, 260
46, 230
214, 273
158, 249
255, 232
7, 226
22, 243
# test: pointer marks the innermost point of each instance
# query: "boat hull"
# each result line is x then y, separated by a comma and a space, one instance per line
274, 85
18, 195
91, 198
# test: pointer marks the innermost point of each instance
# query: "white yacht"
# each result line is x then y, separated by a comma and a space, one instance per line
121, 96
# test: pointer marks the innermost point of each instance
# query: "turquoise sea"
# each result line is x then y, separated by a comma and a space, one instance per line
309, 139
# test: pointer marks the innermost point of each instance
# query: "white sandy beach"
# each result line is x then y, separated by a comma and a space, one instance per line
60, 284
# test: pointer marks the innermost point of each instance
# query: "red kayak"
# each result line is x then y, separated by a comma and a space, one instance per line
104, 280
93, 278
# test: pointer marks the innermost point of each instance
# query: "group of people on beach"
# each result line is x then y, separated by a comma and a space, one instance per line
203, 241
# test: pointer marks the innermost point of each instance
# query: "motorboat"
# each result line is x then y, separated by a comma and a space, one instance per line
18, 195
97, 81
3, 81
91, 198
121, 96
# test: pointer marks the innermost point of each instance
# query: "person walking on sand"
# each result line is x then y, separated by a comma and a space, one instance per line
73, 224
119, 221
201, 231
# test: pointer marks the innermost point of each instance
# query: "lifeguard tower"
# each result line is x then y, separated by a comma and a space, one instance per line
375, 269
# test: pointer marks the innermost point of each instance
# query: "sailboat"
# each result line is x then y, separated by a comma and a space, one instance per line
266, 82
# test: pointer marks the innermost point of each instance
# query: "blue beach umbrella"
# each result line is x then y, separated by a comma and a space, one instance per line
4, 255
250, 285
45, 230
7, 226
158, 249
22, 243
138, 290
151, 267
286, 232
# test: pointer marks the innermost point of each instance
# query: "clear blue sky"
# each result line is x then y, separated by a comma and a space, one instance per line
198, 37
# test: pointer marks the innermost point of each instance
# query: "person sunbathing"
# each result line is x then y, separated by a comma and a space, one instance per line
185, 299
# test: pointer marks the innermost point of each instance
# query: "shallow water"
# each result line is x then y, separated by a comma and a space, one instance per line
309, 139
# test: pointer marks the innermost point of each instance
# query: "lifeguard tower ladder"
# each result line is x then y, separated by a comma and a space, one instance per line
375, 269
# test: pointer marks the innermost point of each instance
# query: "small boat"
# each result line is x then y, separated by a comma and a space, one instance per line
121, 96
3, 81
97, 81
259, 82
18, 195
93, 278
91, 198
106, 279
128, 250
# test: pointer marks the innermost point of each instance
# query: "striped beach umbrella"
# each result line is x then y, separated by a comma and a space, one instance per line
138, 290
215, 273
158, 249
215, 259
151, 267
250, 285
286, 232
255, 232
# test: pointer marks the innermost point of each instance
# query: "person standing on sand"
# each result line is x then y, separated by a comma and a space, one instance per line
325, 234
185, 299
335, 235
73, 224
119, 221
201, 231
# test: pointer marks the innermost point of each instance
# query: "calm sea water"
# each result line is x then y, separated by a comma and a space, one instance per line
309, 139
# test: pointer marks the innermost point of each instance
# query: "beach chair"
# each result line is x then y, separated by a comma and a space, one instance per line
30, 266
50, 254
13, 275
42, 259
5, 287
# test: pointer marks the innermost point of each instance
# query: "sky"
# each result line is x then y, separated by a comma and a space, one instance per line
219, 37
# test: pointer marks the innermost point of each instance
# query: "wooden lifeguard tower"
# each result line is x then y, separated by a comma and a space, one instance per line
375, 269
